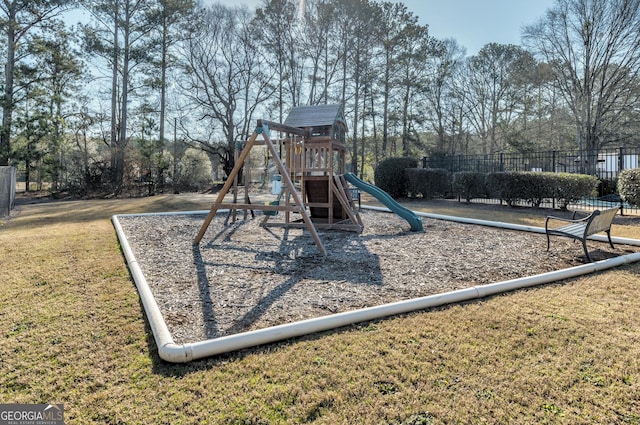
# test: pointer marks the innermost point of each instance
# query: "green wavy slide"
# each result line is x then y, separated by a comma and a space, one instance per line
414, 221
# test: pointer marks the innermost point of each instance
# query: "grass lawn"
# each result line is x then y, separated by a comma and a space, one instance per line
73, 331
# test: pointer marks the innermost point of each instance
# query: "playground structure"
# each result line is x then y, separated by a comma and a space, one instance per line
310, 161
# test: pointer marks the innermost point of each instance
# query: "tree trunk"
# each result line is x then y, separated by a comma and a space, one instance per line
405, 115
7, 104
385, 105
122, 139
163, 102
356, 92
114, 102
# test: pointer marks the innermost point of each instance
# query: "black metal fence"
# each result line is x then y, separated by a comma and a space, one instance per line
606, 164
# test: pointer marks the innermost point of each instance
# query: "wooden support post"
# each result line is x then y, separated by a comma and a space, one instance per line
225, 189
296, 195
299, 203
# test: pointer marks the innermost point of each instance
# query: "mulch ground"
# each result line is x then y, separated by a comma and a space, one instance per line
243, 276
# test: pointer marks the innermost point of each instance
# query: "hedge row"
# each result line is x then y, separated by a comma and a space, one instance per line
511, 187
428, 182
534, 187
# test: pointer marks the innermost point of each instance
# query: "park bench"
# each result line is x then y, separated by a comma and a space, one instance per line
580, 229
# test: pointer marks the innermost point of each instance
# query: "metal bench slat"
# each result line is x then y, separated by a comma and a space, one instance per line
571, 229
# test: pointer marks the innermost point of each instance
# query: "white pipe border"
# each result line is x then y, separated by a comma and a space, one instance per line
510, 226
169, 351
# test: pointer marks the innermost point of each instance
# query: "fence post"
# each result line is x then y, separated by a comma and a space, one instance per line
553, 169
620, 169
620, 159
424, 162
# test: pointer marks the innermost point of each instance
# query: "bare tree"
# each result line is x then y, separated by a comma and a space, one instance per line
168, 17
393, 31
594, 50
226, 78
318, 44
353, 37
417, 47
278, 24
441, 95
492, 93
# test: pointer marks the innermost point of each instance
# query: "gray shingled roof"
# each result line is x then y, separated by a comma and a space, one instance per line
313, 116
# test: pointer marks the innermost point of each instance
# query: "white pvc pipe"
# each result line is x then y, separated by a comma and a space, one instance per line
158, 326
180, 353
501, 225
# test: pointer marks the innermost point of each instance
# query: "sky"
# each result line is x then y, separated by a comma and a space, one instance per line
472, 23
475, 23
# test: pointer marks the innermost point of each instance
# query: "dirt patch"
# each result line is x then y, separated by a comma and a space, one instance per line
243, 277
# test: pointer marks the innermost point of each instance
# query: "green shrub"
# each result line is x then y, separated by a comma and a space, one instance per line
573, 187
535, 187
629, 186
469, 185
428, 182
391, 177
508, 186
538, 187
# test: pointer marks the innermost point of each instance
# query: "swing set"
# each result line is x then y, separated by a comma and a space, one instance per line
310, 159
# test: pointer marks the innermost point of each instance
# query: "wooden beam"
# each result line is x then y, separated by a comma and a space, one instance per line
285, 128
227, 185
347, 205
259, 207
298, 201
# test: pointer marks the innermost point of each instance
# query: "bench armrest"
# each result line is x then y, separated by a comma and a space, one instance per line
566, 220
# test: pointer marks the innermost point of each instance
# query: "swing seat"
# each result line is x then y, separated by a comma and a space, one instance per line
271, 213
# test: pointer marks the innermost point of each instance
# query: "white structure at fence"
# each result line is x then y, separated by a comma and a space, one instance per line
609, 164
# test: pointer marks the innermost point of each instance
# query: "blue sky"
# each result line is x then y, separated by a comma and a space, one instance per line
473, 23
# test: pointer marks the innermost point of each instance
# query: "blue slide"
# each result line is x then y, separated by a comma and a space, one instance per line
387, 200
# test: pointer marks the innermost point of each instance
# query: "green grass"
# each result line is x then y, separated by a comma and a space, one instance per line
73, 331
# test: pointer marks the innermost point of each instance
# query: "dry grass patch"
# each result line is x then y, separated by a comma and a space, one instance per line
73, 331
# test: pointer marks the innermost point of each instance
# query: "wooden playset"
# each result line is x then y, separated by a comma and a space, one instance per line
309, 156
